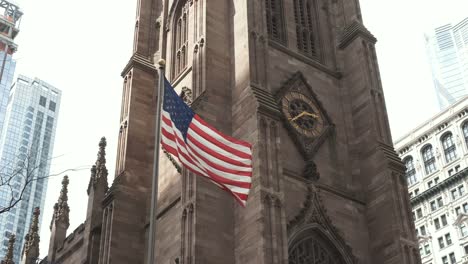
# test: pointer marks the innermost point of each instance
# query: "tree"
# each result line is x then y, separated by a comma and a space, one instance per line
17, 177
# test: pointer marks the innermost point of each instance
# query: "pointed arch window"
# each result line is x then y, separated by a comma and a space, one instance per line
313, 248
305, 17
465, 132
450, 150
428, 159
180, 40
275, 20
410, 171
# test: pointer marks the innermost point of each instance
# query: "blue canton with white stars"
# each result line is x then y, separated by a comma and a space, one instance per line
181, 114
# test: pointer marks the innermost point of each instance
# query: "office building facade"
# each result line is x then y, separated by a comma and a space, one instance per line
447, 49
436, 159
9, 29
26, 150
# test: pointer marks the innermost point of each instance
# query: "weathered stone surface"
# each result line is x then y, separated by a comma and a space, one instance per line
344, 195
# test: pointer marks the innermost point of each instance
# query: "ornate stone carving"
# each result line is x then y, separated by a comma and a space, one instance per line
186, 95
32, 239
99, 171
61, 208
8, 259
314, 215
306, 142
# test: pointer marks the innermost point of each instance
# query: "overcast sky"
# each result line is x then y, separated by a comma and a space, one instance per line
82, 46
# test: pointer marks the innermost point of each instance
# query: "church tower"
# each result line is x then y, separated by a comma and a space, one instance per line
298, 79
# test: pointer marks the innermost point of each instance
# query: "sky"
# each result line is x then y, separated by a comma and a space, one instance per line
82, 46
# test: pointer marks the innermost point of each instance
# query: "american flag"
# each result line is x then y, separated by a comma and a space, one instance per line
202, 149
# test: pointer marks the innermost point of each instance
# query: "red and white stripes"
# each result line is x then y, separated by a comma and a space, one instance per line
224, 160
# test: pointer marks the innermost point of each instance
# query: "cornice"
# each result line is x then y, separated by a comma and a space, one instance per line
435, 190
443, 125
352, 31
266, 102
139, 61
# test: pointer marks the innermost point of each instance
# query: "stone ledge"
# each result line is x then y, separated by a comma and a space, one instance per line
352, 31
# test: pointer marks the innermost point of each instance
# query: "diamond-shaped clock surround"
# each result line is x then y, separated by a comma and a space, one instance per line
307, 144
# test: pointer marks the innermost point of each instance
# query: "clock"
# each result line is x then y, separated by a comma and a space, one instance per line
302, 114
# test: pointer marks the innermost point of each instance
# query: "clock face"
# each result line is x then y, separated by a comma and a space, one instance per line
302, 114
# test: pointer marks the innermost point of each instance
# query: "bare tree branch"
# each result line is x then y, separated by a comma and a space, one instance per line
18, 175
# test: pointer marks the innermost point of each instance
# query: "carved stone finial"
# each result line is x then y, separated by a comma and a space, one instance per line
32, 239
61, 208
102, 151
99, 171
9, 255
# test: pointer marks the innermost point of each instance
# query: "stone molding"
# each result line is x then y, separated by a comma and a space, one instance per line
353, 31
307, 146
139, 61
313, 215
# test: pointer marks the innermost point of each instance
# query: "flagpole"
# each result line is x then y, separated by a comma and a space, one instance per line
154, 184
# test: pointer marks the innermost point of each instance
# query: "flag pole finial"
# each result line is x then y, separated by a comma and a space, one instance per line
162, 63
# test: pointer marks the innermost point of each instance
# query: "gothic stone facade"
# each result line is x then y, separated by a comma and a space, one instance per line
327, 186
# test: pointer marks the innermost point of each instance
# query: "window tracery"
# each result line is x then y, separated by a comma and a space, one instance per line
310, 250
180, 39
304, 14
275, 21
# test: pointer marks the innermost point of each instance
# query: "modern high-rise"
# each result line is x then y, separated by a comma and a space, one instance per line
9, 28
436, 158
447, 50
26, 148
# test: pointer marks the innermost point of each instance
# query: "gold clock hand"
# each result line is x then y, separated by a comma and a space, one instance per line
304, 113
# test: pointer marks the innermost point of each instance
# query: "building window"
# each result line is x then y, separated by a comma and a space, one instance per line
465, 133
429, 159
304, 14
461, 190
441, 242
452, 258
437, 223
436, 180
52, 106
410, 170
180, 39
423, 230
419, 213
449, 147
466, 250
465, 208
454, 194
416, 191
463, 231
42, 101
448, 239
427, 249
429, 184
310, 248
275, 23
445, 260
433, 206
440, 202
444, 220
457, 210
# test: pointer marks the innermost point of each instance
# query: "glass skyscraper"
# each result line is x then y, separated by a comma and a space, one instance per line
26, 148
5, 83
10, 16
447, 48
